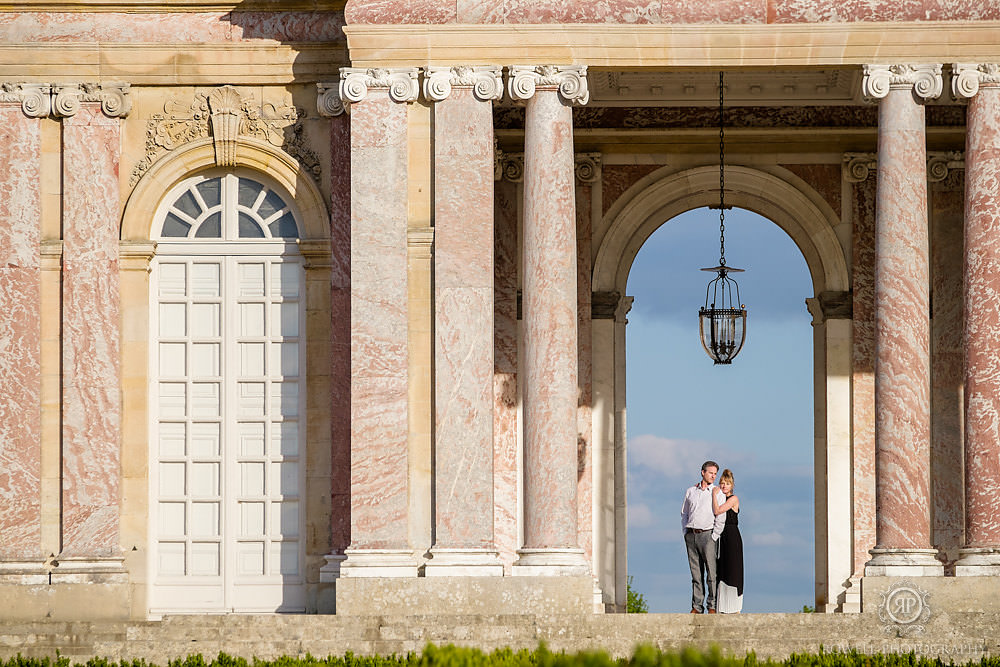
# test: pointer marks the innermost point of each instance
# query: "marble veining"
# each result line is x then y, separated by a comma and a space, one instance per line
463, 328
982, 319
20, 335
550, 337
91, 338
902, 367
863, 361
379, 354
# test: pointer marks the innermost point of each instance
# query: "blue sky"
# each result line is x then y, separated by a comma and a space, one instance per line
754, 416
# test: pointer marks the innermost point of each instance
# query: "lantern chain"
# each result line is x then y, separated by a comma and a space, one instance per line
722, 177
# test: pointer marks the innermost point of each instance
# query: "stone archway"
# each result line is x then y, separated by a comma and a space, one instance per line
780, 196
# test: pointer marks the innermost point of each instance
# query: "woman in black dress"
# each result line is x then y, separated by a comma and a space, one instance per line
729, 569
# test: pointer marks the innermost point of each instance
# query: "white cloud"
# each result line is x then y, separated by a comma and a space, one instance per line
772, 539
639, 516
676, 458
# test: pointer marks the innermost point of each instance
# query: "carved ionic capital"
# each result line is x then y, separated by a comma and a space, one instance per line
484, 80
966, 78
858, 166
115, 99
939, 163
511, 167
401, 82
588, 167
925, 80
328, 101
35, 98
570, 79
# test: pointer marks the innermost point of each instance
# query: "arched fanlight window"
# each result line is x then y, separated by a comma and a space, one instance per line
228, 207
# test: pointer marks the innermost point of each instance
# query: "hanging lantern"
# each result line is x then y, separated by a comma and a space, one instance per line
722, 322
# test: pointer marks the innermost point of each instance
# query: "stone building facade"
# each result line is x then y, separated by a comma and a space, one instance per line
309, 307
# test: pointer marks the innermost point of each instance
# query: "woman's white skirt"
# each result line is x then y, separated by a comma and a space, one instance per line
728, 601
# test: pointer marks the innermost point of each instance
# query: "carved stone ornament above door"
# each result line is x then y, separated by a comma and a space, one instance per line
225, 115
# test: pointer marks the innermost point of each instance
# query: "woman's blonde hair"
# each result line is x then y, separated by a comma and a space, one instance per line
727, 476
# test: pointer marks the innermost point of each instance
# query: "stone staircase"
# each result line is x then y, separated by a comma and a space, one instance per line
960, 637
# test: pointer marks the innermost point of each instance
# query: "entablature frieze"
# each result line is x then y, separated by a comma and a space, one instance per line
711, 46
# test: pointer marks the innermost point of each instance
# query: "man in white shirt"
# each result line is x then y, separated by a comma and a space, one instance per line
701, 533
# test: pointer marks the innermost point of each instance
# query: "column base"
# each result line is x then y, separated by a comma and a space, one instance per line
86, 570
904, 563
550, 563
24, 572
978, 562
331, 571
367, 563
448, 562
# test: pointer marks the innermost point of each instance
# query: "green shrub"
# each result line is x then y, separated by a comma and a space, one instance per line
454, 656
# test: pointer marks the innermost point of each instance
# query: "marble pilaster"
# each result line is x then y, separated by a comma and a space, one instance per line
330, 105
902, 327
505, 394
859, 172
550, 326
946, 194
91, 429
463, 320
980, 554
379, 354
20, 315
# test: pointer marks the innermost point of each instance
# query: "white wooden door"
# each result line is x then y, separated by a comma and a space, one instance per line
226, 472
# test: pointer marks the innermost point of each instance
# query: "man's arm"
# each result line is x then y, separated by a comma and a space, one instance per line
685, 510
720, 519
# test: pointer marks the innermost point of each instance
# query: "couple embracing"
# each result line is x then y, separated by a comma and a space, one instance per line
709, 518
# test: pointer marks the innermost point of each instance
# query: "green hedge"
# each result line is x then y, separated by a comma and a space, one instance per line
453, 656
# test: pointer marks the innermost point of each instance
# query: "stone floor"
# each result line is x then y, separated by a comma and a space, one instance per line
957, 636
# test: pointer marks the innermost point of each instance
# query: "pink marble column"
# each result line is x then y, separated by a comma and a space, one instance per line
330, 105
981, 553
505, 468
379, 356
549, 305
902, 328
91, 430
20, 342
463, 320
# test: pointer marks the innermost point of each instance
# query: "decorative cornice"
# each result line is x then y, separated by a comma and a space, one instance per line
858, 166
485, 81
35, 98
115, 98
328, 101
355, 82
939, 163
587, 167
571, 81
925, 80
511, 167
966, 78
223, 114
